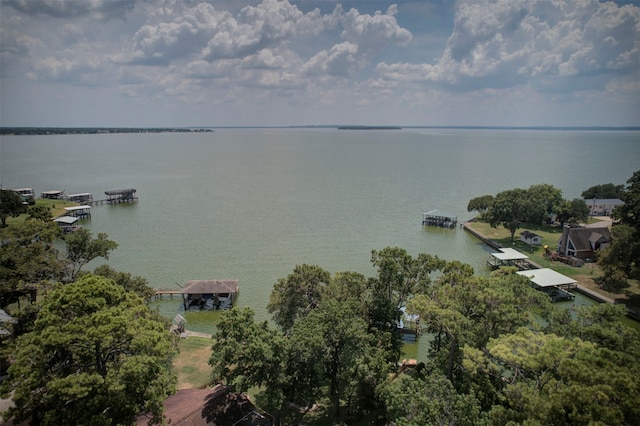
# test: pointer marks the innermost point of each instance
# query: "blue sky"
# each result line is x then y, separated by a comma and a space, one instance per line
280, 63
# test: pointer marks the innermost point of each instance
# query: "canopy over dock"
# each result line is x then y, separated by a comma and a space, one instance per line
83, 197
67, 223
209, 294
508, 257
121, 196
553, 283
79, 211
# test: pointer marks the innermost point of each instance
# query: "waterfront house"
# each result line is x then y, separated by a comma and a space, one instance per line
583, 243
209, 294
530, 238
602, 207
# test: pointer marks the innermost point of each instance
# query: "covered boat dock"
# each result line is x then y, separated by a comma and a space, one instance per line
508, 257
439, 219
209, 294
67, 223
82, 212
553, 283
121, 196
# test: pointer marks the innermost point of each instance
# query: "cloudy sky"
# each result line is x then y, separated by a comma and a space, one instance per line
290, 62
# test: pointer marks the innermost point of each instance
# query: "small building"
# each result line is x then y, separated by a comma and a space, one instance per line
508, 257
553, 283
583, 243
209, 294
121, 196
84, 197
530, 238
439, 219
82, 212
67, 223
602, 207
52, 195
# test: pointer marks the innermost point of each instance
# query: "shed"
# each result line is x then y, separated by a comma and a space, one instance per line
507, 257
209, 294
530, 238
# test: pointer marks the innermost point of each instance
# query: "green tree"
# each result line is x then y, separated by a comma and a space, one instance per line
621, 259
39, 212
295, 296
509, 209
96, 356
471, 312
137, 285
430, 400
603, 191
542, 199
480, 204
28, 258
82, 248
10, 205
574, 211
549, 379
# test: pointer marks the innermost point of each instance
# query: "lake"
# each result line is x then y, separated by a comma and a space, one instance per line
250, 204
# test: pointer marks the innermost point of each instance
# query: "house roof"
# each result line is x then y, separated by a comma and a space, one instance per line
609, 201
210, 287
217, 406
584, 238
528, 234
509, 254
546, 277
66, 220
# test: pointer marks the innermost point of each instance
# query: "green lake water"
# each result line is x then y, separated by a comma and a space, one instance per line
251, 204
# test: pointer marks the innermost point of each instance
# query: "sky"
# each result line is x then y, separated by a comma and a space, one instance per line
190, 63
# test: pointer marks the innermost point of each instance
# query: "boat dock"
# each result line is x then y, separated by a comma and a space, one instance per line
438, 219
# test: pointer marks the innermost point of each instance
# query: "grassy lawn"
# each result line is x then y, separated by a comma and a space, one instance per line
56, 207
191, 364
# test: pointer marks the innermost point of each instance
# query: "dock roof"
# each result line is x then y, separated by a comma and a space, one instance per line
66, 220
75, 208
546, 277
210, 287
509, 254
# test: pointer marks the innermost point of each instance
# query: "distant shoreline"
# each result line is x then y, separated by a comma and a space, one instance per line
94, 130
115, 130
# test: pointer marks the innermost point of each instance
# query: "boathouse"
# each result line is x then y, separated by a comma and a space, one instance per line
82, 212
552, 283
508, 257
121, 196
209, 294
52, 195
439, 219
67, 223
26, 194
84, 197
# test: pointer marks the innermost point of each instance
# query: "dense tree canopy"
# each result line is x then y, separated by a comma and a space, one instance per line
621, 259
10, 205
572, 212
97, 355
607, 190
82, 248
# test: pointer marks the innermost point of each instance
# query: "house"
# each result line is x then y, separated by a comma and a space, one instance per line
209, 294
583, 243
602, 207
210, 406
530, 238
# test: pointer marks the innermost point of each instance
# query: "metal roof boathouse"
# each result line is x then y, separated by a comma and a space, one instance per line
121, 196
209, 294
553, 283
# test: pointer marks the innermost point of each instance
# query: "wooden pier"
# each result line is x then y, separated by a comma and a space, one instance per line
159, 294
